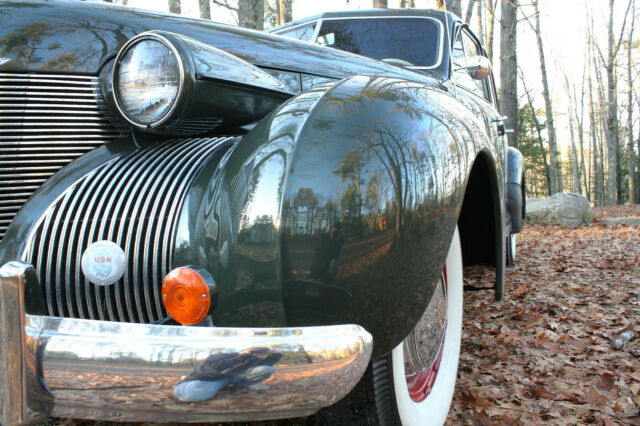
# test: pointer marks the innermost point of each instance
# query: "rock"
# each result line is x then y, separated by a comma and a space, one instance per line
564, 208
628, 221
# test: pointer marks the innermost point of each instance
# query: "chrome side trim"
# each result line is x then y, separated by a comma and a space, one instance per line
128, 372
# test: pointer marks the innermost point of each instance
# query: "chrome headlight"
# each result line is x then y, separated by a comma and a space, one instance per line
169, 84
148, 80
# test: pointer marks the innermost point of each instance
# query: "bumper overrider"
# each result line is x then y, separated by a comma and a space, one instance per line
66, 367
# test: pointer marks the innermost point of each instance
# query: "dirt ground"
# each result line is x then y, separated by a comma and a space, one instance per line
545, 354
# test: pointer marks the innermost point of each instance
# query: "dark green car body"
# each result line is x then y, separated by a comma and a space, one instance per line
337, 207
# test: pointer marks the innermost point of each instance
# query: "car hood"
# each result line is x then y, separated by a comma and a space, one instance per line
80, 37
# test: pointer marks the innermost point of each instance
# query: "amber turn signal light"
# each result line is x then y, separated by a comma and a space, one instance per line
185, 296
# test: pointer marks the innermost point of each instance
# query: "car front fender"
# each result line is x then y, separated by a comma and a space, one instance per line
338, 208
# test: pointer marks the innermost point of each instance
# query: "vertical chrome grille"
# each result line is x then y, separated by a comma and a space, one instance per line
46, 121
133, 201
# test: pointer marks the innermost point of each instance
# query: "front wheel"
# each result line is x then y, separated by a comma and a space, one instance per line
414, 384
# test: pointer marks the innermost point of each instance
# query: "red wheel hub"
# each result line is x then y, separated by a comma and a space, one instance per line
421, 382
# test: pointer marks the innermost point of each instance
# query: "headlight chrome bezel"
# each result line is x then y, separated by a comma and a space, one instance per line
184, 76
217, 90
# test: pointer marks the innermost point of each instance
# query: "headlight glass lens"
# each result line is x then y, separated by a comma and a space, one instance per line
148, 81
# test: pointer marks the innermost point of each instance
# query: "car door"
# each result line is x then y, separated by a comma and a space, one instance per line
477, 95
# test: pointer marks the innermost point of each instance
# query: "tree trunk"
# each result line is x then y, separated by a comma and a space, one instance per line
480, 17
556, 180
380, 4
406, 3
612, 116
580, 120
469, 12
174, 6
547, 172
638, 170
453, 6
614, 184
251, 14
205, 9
509, 68
284, 11
631, 161
575, 169
491, 10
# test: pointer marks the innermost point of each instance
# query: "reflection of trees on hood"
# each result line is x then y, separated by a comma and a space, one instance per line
25, 41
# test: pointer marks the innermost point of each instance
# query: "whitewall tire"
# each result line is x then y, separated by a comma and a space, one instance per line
433, 405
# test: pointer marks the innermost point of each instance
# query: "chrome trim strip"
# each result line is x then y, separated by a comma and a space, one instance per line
45, 76
128, 372
95, 108
29, 94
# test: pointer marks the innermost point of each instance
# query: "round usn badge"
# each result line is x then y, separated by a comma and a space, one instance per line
103, 262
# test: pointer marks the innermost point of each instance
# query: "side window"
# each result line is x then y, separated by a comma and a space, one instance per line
463, 49
304, 33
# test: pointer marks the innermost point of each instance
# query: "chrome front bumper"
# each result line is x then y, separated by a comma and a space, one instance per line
64, 367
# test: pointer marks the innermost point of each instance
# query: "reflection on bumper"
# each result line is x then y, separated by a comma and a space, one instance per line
137, 372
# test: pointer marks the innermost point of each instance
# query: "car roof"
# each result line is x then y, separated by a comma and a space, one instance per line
432, 13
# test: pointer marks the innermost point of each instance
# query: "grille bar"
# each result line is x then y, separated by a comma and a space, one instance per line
46, 121
134, 201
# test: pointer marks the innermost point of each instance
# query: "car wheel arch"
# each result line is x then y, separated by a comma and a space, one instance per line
481, 218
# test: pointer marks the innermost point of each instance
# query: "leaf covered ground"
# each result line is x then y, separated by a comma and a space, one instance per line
545, 354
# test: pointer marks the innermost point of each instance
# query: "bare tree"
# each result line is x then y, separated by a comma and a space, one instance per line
580, 121
575, 166
480, 21
509, 68
380, 4
454, 6
536, 122
556, 176
205, 9
631, 160
611, 131
251, 14
469, 12
174, 6
284, 11
597, 161
491, 11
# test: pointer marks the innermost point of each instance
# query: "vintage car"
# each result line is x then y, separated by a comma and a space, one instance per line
205, 223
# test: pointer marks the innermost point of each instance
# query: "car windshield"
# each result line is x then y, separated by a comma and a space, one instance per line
407, 41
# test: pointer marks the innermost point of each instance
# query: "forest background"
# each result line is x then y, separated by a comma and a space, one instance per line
567, 73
